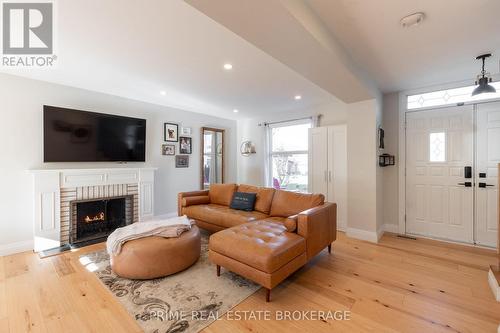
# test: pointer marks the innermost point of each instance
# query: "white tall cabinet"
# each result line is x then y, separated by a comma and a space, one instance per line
328, 167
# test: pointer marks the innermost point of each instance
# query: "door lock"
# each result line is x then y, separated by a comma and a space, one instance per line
466, 184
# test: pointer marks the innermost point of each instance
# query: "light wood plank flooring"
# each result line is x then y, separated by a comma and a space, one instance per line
398, 285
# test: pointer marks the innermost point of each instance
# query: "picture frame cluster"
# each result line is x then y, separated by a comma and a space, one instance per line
185, 142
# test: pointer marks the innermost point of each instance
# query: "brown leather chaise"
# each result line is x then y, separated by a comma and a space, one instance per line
285, 230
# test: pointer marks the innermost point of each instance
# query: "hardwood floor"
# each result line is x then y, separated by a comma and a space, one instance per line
398, 285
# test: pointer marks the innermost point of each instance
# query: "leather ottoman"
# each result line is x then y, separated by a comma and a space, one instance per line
261, 251
154, 257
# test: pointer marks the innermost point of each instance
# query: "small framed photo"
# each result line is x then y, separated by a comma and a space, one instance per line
170, 132
185, 145
182, 161
168, 149
185, 130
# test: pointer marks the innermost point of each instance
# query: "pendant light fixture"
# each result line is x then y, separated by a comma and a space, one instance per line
483, 80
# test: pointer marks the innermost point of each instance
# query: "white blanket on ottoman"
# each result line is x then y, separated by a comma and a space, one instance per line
168, 228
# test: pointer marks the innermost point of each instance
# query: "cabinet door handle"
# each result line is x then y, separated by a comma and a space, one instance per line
330, 175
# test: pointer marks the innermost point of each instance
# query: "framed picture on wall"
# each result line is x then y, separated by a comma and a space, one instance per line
185, 145
170, 132
185, 130
168, 149
182, 161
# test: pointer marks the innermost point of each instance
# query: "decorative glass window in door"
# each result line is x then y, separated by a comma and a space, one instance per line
437, 147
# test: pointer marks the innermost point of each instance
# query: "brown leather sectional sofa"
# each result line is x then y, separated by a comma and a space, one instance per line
266, 245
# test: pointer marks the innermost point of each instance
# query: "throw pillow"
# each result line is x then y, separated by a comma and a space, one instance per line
243, 201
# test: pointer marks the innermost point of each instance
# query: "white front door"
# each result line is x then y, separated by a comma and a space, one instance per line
439, 199
488, 157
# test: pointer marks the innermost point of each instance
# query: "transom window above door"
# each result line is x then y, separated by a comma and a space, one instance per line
449, 97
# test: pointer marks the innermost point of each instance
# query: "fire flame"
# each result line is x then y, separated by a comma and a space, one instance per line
98, 217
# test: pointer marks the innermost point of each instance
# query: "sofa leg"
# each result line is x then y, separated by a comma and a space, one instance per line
268, 295
218, 270
330, 248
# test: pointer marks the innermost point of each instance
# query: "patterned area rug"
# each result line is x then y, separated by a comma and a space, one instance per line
184, 302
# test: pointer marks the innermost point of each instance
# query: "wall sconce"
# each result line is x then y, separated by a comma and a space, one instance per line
247, 148
386, 160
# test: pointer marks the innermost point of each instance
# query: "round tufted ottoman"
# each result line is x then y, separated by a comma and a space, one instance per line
154, 257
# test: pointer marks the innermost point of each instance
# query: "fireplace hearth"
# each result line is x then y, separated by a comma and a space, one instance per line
93, 220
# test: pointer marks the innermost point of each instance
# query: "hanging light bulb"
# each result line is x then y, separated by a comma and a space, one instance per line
483, 80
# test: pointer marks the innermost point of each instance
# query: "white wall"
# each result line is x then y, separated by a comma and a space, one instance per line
390, 174
251, 168
21, 102
362, 169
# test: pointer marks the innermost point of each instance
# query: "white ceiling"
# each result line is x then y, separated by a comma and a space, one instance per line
135, 50
440, 50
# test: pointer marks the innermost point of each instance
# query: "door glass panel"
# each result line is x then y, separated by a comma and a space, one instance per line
437, 147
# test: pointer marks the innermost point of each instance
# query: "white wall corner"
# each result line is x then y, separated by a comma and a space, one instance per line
495, 287
380, 232
17, 247
370, 236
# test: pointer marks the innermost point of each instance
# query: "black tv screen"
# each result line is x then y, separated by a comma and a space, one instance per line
81, 136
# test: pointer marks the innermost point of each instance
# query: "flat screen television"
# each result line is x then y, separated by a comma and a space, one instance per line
82, 136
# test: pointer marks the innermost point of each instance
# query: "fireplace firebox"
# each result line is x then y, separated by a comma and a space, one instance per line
93, 220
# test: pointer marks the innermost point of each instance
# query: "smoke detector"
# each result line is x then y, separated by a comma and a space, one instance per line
412, 20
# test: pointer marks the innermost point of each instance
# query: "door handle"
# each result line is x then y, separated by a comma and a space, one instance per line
484, 185
466, 184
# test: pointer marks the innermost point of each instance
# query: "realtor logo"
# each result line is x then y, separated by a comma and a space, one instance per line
28, 29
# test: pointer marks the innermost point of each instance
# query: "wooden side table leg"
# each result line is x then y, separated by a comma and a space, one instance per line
330, 248
268, 295
218, 270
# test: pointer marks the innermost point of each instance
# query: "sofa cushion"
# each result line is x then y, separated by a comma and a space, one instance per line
221, 194
286, 203
196, 200
264, 197
265, 246
243, 201
290, 223
222, 216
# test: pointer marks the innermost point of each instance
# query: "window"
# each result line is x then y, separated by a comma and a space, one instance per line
449, 97
289, 156
437, 147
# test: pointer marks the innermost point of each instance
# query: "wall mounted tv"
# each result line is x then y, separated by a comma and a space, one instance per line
81, 136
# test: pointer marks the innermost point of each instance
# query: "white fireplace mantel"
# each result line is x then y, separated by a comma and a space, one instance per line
48, 184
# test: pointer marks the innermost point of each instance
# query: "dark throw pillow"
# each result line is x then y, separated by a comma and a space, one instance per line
243, 201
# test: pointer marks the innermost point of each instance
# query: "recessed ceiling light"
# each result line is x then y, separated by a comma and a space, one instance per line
236, 110
163, 92
297, 97
228, 66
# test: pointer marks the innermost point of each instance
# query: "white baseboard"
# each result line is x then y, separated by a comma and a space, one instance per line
370, 236
16, 247
495, 288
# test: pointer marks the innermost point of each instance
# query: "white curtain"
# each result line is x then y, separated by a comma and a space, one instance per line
267, 156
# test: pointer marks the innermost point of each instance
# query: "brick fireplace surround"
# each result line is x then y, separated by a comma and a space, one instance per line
55, 191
